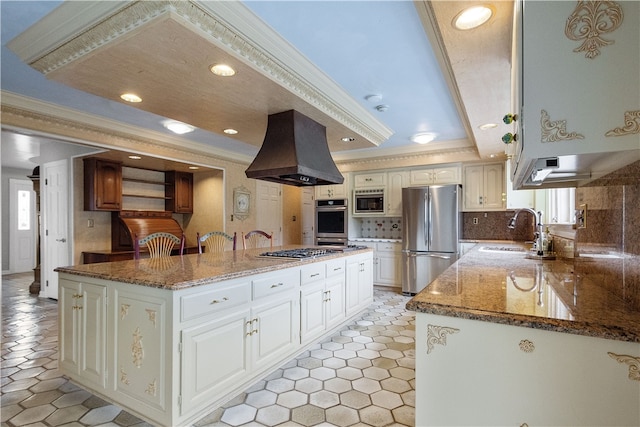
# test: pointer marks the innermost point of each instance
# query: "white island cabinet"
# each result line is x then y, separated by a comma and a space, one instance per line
170, 352
503, 339
471, 372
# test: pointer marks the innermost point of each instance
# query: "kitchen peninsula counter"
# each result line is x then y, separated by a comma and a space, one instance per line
502, 339
171, 339
503, 286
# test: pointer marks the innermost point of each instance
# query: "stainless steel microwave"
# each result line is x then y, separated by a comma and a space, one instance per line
368, 201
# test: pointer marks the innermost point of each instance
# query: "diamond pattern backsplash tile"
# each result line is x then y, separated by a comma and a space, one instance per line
381, 228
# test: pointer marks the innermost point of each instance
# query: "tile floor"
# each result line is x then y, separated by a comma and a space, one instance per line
363, 375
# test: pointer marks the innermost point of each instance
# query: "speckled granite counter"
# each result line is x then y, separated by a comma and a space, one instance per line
505, 287
180, 272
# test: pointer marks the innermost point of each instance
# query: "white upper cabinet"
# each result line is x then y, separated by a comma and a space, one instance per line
577, 89
396, 181
370, 180
335, 191
446, 174
484, 187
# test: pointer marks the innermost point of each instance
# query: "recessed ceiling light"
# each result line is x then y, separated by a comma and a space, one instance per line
347, 139
472, 17
487, 126
230, 131
135, 157
373, 98
178, 127
222, 70
194, 167
131, 97
423, 137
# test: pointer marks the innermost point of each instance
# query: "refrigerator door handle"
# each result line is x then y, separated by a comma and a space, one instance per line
415, 255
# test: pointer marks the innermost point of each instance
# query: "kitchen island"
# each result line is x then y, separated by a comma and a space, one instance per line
171, 339
502, 339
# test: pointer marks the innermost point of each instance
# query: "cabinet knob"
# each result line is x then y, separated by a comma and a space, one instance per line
509, 137
510, 118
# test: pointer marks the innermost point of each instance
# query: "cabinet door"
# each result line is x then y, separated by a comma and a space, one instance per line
494, 195
446, 175
276, 326
102, 185
215, 356
334, 298
69, 298
179, 192
93, 344
396, 181
484, 187
420, 177
473, 187
389, 268
312, 311
365, 281
352, 290
82, 314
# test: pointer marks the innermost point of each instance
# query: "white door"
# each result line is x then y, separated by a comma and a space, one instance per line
308, 213
269, 209
22, 228
55, 216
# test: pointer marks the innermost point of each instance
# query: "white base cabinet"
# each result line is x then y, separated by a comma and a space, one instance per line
359, 283
387, 262
169, 357
481, 373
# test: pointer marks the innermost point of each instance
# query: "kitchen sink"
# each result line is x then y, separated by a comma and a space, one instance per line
517, 250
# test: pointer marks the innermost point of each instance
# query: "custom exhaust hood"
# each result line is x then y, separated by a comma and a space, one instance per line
295, 152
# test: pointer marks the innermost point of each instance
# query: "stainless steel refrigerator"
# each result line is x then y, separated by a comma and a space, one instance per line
431, 222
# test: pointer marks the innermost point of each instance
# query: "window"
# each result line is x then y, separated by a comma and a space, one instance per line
24, 210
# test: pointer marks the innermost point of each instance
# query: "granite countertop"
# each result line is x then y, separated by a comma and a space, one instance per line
180, 272
506, 287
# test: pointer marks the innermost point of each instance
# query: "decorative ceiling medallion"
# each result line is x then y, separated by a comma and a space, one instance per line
555, 130
631, 124
633, 362
438, 335
589, 20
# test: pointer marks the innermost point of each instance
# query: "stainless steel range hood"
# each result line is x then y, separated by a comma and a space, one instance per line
295, 152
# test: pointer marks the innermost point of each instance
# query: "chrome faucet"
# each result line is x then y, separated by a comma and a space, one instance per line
537, 227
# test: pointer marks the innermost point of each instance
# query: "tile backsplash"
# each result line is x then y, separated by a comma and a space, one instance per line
381, 228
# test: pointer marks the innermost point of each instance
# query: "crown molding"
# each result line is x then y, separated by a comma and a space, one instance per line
79, 28
68, 125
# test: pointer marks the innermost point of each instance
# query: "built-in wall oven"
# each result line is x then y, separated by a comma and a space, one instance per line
331, 222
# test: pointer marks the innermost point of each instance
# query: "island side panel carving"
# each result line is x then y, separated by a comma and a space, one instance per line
140, 334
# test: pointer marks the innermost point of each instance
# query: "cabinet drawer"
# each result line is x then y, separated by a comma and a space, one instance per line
275, 283
335, 267
388, 247
312, 272
214, 300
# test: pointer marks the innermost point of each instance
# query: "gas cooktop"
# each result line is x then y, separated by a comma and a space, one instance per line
302, 253
305, 253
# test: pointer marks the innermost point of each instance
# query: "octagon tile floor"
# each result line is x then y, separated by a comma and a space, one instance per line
363, 375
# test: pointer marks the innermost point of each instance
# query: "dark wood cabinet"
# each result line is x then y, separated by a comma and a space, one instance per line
102, 185
179, 192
